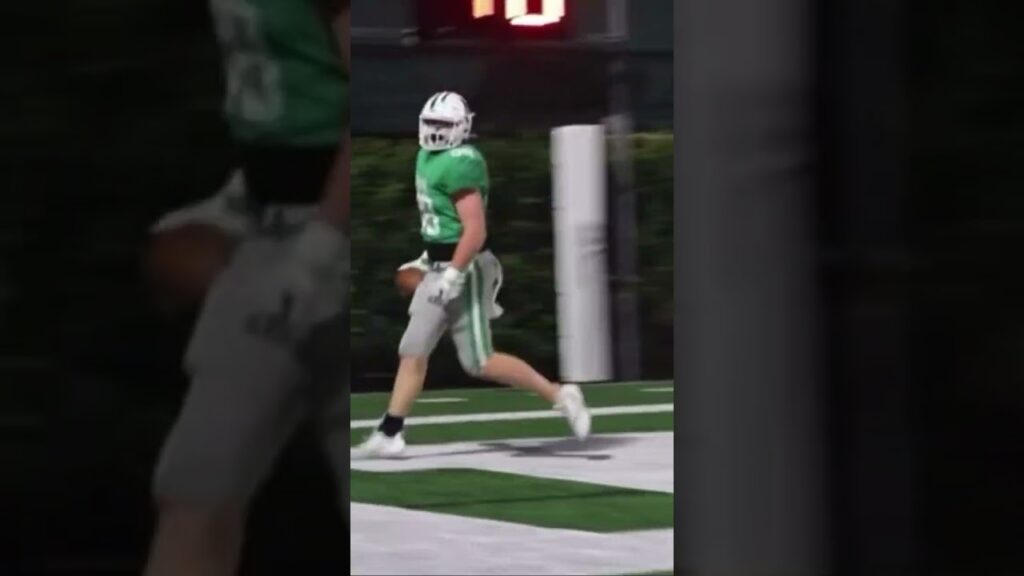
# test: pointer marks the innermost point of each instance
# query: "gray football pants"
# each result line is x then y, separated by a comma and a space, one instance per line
256, 377
467, 317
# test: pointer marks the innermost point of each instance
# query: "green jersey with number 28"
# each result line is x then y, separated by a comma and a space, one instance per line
440, 175
286, 84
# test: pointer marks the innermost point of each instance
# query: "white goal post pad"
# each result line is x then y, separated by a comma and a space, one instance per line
580, 211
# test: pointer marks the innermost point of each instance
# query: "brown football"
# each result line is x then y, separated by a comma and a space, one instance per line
181, 263
407, 280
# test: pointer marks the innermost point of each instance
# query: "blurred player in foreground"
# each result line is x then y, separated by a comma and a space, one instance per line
460, 279
270, 347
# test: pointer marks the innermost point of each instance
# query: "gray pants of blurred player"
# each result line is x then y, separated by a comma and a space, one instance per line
255, 377
467, 317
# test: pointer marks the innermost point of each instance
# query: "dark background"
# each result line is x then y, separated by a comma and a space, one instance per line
849, 317
923, 222
967, 166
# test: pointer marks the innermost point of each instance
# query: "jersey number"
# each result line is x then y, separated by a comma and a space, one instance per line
253, 77
430, 224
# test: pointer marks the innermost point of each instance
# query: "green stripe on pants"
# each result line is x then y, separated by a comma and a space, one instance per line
485, 320
479, 333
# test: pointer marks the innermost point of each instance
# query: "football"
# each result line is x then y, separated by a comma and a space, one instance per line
181, 263
407, 280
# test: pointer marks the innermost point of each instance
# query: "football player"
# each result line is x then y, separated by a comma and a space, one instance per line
462, 277
270, 347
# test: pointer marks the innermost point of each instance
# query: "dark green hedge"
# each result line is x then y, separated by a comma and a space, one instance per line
385, 235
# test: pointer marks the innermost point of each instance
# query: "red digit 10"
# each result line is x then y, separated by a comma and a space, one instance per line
518, 14
483, 8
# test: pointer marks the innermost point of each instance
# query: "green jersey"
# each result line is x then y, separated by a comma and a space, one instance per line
286, 84
440, 175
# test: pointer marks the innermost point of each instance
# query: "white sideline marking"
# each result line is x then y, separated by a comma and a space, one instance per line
440, 400
665, 389
505, 390
387, 540
526, 415
639, 460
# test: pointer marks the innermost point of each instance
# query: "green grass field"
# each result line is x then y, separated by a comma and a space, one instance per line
503, 456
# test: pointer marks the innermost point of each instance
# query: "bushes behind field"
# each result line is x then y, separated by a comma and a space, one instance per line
386, 235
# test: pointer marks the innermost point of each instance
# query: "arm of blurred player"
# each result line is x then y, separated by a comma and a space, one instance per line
335, 204
342, 31
470, 206
323, 246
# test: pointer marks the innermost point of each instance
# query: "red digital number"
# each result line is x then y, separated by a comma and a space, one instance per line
483, 8
518, 13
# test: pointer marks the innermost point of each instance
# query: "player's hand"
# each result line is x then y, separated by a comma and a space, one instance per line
316, 275
450, 286
422, 264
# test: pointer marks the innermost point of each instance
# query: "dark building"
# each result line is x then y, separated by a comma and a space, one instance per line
515, 79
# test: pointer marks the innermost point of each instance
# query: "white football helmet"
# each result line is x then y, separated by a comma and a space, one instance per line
445, 121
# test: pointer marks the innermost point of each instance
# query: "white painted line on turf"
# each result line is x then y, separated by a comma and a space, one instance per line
665, 389
481, 546
440, 400
506, 390
638, 460
527, 415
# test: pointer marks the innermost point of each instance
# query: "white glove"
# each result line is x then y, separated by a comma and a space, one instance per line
224, 210
422, 264
450, 286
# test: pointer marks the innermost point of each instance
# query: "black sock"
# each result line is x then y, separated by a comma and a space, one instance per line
391, 425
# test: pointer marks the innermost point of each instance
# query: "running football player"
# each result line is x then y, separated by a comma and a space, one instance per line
459, 290
271, 344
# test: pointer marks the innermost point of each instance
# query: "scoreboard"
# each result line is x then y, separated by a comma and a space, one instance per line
519, 13
644, 25
494, 19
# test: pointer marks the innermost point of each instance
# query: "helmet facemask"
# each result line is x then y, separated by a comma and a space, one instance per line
445, 125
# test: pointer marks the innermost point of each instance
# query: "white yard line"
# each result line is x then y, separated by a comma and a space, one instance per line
526, 415
387, 540
440, 400
635, 460
505, 390
664, 389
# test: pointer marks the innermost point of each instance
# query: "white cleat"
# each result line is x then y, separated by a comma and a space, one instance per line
570, 403
379, 446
